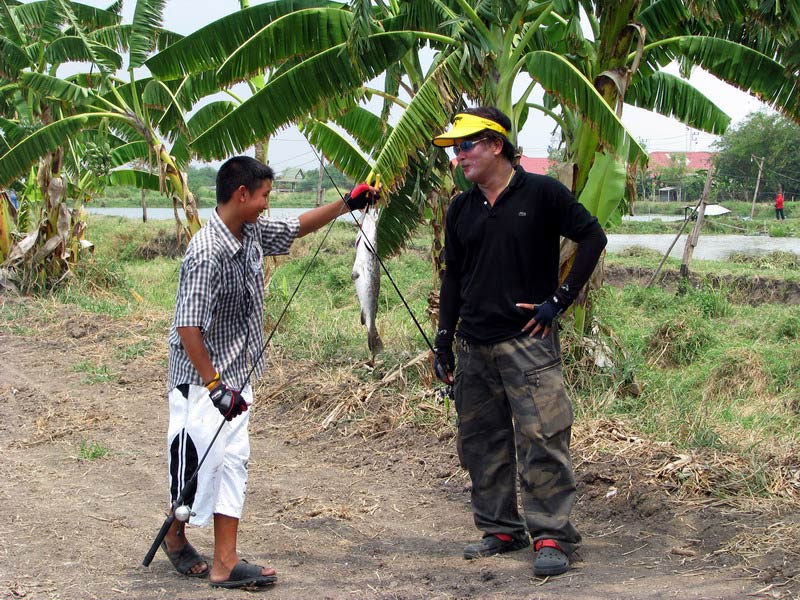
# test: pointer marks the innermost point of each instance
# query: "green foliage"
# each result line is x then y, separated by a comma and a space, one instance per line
680, 339
770, 136
787, 327
711, 302
93, 373
202, 177
92, 450
135, 350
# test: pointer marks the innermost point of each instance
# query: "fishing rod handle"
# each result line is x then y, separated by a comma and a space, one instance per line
162, 533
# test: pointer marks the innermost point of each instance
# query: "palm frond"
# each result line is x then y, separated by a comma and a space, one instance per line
42, 16
428, 113
210, 46
368, 129
55, 87
561, 79
11, 26
423, 15
90, 18
745, 69
180, 151
16, 162
337, 149
671, 96
208, 115
128, 153
115, 8
605, 187
12, 59
139, 179
292, 94
407, 204
193, 87
78, 49
13, 133
300, 33
117, 36
665, 18
147, 22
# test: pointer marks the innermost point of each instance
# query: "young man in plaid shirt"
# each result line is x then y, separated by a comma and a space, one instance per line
215, 340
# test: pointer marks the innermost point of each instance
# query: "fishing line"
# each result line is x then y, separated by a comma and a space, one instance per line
374, 251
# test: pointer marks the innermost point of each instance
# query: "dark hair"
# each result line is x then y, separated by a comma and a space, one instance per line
241, 170
495, 114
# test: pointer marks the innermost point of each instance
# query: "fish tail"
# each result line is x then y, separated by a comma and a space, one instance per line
374, 342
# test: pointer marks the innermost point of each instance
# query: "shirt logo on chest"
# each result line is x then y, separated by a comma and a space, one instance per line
522, 213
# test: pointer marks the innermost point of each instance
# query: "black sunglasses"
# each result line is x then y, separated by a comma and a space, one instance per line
466, 145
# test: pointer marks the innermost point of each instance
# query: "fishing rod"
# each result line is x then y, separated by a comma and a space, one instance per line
178, 510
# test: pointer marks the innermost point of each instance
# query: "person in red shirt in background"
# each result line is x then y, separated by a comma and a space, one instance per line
779, 205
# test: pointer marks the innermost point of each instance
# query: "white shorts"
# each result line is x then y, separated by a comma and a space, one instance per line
221, 483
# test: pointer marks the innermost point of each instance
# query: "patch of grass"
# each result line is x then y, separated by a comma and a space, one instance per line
771, 261
653, 298
92, 450
11, 313
680, 340
712, 302
787, 327
640, 252
94, 373
134, 350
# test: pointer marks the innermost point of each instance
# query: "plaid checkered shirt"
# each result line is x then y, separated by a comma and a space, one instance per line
221, 291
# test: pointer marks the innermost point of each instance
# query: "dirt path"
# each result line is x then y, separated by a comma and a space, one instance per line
340, 512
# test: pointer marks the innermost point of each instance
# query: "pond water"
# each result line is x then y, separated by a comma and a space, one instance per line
709, 247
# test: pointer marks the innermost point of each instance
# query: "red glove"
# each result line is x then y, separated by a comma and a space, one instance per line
360, 197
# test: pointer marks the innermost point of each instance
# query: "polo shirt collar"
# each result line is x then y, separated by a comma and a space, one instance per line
229, 241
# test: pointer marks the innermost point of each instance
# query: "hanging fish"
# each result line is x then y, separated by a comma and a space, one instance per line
367, 277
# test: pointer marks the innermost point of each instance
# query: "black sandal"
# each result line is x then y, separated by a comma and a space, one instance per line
185, 559
245, 575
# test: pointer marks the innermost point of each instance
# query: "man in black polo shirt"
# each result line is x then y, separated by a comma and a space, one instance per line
501, 279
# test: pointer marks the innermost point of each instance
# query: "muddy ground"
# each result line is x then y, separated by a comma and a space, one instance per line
343, 508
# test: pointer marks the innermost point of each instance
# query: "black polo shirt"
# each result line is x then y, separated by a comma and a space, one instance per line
496, 256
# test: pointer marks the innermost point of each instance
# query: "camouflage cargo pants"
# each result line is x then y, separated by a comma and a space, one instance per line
514, 416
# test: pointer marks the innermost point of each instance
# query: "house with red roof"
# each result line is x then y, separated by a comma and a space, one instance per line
695, 161
540, 166
660, 162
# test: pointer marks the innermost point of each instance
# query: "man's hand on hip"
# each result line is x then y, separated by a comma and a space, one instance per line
543, 316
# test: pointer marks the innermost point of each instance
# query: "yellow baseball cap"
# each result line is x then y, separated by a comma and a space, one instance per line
464, 126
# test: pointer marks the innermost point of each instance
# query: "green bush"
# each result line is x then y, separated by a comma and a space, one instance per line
711, 302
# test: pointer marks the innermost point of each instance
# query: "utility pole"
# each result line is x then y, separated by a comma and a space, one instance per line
753, 157
694, 236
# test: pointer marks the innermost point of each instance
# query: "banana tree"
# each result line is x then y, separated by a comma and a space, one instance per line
132, 116
37, 38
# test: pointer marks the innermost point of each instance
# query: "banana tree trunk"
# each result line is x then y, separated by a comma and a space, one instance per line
172, 179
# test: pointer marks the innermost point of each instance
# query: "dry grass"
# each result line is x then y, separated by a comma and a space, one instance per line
678, 342
740, 373
698, 475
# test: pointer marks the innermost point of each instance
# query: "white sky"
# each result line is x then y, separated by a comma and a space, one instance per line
289, 148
